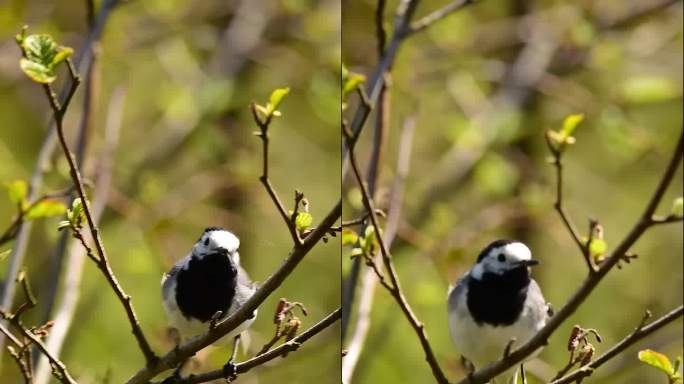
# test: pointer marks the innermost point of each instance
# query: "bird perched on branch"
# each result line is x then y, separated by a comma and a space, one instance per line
208, 285
495, 302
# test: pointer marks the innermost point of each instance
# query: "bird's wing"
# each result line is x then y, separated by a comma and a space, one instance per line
536, 299
456, 291
166, 282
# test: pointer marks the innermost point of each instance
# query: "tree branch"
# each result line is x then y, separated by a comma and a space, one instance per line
396, 291
263, 135
102, 262
280, 350
427, 21
640, 332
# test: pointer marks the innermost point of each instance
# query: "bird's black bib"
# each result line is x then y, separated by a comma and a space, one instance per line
498, 299
206, 286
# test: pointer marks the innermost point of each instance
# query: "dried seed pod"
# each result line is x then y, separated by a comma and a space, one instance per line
574, 339
292, 328
587, 354
280, 311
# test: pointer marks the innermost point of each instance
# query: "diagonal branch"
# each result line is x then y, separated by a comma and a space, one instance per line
263, 358
102, 262
639, 333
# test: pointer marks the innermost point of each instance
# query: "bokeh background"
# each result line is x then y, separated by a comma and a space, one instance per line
186, 159
483, 85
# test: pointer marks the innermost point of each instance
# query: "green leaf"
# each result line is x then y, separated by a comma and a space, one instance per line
678, 207
17, 191
303, 220
656, 359
277, 97
37, 72
349, 237
46, 208
75, 214
42, 56
570, 123
350, 81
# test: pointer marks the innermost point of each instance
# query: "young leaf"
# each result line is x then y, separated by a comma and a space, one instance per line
17, 191
570, 123
45, 208
277, 97
349, 237
656, 359
350, 81
4, 254
42, 56
37, 72
303, 220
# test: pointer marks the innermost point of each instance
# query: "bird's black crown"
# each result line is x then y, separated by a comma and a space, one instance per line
212, 229
492, 245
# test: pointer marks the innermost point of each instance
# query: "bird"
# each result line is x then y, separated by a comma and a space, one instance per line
207, 286
496, 302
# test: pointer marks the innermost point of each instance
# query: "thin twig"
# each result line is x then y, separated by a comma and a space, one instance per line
427, 21
263, 135
558, 205
370, 277
74, 263
396, 292
83, 60
640, 332
589, 284
103, 262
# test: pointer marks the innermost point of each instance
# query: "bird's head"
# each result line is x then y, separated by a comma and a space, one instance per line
217, 240
503, 256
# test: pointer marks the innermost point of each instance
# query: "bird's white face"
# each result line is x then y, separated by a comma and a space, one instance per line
502, 259
215, 240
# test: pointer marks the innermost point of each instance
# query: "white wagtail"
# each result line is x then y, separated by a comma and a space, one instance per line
208, 285
494, 302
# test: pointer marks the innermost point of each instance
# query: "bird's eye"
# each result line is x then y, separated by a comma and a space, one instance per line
206, 242
501, 257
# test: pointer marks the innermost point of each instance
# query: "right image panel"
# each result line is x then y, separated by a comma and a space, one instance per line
512, 192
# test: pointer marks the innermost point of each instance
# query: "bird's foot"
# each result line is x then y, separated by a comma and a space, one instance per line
229, 371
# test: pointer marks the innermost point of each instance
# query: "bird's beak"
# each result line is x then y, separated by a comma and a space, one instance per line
528, 263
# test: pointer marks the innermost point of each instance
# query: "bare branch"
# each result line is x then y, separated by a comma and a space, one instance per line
83, 60
263, 135
640, 332
396, 290
427, 21
280, 350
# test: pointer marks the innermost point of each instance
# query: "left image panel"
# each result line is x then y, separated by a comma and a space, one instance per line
170, 198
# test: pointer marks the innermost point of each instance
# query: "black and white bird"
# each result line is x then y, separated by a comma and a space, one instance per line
494, 302
207, 282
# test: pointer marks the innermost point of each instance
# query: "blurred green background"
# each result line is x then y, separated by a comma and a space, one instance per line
484, 84
186, 160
